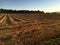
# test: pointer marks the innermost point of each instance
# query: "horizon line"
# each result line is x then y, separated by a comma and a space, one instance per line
32, 10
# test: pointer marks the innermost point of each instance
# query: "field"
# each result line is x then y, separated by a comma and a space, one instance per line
29, 29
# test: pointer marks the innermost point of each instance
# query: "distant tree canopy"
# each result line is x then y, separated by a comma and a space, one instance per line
19, 11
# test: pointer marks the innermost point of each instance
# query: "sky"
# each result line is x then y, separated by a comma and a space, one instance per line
42, 5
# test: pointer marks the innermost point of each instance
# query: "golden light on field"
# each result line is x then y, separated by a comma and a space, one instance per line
28, 28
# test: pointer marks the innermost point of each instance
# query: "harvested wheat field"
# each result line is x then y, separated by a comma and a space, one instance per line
29, 29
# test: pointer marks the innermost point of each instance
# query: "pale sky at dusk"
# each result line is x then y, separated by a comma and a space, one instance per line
43, 5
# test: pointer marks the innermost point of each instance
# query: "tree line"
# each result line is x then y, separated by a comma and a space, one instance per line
19, 11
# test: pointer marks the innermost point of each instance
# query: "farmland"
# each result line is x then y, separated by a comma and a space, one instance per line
29, 29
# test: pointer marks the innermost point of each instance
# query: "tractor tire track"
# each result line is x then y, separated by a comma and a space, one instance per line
12, 20
2, 19
18, 19
22, 18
